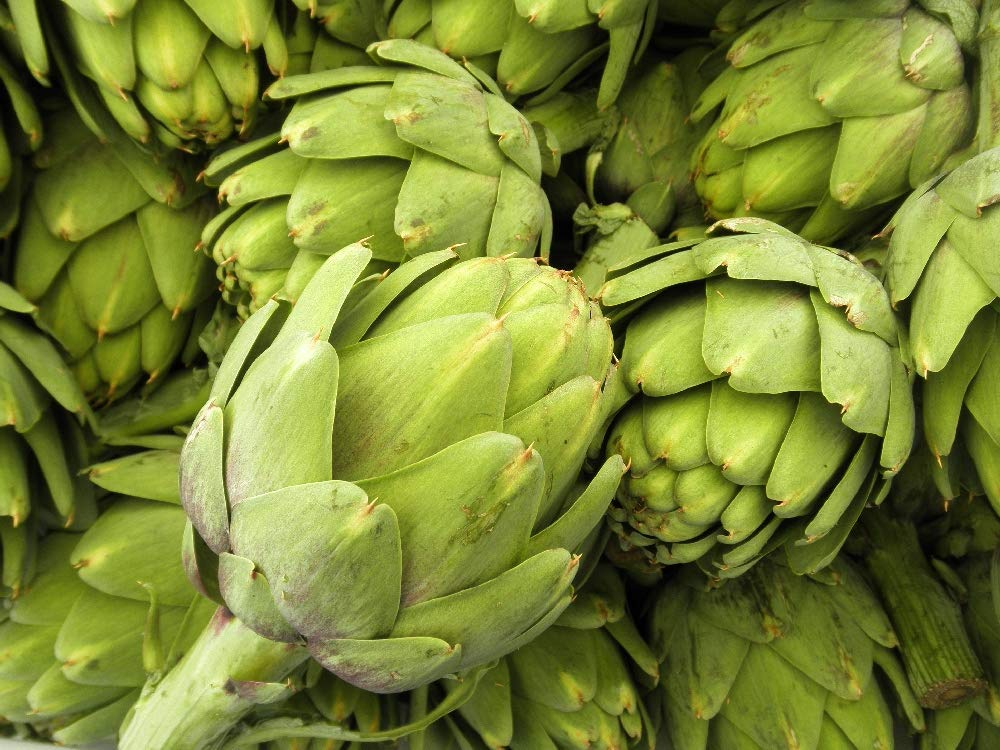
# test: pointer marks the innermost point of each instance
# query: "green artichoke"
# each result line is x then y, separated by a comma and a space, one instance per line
772, 399
533, 45
831, 110
429, 528
77, 645
182, 72
42, 446
106, 253
941, 267
571, 687
20, 131
416, 154
774, 660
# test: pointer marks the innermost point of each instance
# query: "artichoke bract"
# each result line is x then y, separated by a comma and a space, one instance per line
106, 253
775, 660
831, 110
417, 509
42, 446
772, 398
941, 267
197, 85
415, 154
78, 644
572, 687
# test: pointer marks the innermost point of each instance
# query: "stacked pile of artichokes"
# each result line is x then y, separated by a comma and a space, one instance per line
529, 374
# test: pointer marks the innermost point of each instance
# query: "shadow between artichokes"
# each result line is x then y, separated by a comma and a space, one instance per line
42, 443
772, 398
104, 607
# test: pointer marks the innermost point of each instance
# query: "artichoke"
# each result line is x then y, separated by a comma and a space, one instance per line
957, 666
416, 154
695, 15
976, 724
942, 666
533, 45
429, 527
20, 132
105, 252
830, 111
42, 446
772, 399
941, 267
77, 645
196, 84
774, 660
323, 698
569, 688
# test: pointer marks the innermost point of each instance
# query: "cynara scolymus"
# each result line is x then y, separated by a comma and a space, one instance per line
531, 47
419, 509
106, 254
941, 269
42, 443
185, 73
775, 660
415, 153
772, 401
104, 608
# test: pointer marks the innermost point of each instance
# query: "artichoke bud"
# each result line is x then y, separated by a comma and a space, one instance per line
42, 446
193, 89
939, 271
718, 410
106, 253
85, 620
803, 635
573, 685
857, 111
464, 392
362, 154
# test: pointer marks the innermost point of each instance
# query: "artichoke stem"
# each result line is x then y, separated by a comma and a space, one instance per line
988, 127
941, 665
229, 670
